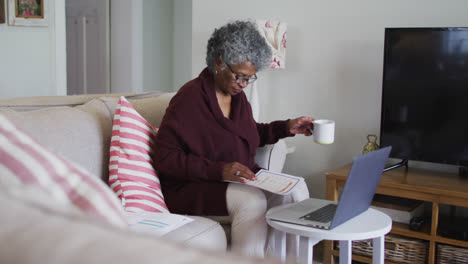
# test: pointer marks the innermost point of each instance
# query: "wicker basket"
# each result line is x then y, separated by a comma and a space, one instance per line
397, 249
451, 255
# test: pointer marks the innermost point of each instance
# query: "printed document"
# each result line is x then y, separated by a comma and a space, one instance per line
274, 182
155, 223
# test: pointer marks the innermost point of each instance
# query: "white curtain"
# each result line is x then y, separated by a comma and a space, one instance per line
252, 95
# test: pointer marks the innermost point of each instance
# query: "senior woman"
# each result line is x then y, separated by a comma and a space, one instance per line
208, 136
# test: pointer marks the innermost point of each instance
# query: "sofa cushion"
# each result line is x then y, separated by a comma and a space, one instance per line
25, 165
150, 108
131, 173
81, 134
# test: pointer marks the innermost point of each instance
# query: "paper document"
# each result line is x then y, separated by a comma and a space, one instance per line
155, 223
274, 182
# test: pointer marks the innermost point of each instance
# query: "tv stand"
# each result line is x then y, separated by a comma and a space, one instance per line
463, 171
399, 164
431, 186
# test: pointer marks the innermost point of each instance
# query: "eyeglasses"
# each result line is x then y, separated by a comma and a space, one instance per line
241, 80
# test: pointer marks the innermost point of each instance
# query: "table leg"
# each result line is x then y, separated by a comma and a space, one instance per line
307, 250
345, 251
298, 249
283, 247
378, 251
332, 195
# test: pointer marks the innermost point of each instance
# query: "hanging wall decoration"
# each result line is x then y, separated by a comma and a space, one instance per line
275, 33
28, 12
2, 11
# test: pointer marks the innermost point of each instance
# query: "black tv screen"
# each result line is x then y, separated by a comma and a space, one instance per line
425, 94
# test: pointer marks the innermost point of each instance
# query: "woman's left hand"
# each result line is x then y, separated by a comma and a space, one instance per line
301, 125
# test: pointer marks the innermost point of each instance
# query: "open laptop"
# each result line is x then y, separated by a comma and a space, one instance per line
356, 198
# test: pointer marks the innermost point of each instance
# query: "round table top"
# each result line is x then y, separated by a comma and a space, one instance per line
369, 224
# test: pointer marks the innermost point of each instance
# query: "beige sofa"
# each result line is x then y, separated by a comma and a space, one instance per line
79, 129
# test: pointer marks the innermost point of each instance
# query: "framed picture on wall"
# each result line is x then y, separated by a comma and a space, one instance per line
2, 11
28, 12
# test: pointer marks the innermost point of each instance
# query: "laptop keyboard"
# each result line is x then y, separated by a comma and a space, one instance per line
323, 215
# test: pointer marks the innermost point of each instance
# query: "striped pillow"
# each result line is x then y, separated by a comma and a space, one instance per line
131, 172
26, 165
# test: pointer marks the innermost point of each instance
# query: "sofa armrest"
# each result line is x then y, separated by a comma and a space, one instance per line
272, 157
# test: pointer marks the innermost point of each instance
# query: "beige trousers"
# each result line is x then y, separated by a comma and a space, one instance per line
247, 206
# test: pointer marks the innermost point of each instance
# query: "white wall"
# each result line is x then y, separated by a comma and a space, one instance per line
182, 52
334, 66
126, 42
32, 61
25, 65
158, 45
141, 45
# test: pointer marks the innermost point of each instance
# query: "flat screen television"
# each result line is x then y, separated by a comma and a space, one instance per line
424, 113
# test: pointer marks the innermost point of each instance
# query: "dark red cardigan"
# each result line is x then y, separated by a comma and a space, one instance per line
195, 141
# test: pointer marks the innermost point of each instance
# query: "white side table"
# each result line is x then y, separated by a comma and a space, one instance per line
371, 224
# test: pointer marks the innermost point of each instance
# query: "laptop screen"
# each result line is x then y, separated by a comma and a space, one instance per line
361, 185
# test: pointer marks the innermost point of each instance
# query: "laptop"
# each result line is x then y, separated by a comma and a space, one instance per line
356, 198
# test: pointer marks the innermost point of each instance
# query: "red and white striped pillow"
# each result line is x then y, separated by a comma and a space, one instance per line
26, 165
131, 173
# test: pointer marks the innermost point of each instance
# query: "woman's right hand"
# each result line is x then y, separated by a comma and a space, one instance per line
237, 172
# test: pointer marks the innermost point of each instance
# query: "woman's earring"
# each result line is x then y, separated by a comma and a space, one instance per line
216, 71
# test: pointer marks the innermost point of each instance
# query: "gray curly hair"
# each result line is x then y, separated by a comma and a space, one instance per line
237, 42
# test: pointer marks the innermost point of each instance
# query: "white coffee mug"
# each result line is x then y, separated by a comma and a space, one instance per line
324, 131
